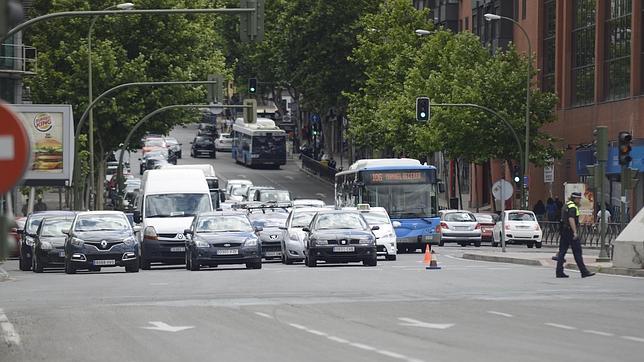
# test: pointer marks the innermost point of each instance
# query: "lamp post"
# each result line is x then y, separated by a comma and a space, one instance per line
526, 163
92, 186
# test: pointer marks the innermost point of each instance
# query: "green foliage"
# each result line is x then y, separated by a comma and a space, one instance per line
129, 48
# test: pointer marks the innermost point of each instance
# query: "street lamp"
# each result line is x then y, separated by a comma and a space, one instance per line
122, 6
526, 163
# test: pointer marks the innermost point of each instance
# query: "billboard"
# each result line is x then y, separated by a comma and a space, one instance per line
587, 201
51, 130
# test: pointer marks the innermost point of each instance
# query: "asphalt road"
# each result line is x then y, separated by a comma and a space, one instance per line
397, 311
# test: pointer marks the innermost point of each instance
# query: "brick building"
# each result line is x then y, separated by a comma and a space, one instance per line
591, 54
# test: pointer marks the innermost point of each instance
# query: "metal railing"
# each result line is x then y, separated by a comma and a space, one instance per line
323, 171
18, 58
588, 233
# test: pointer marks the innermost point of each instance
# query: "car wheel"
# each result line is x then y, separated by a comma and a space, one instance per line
69, 268
390, 257
36, 265
477, 244
194, 265
95, 269
463, 243
187, 261
256, 265
310, 262
133, 268
495, 244
441, 243
530, 244
370, 262
179, 155
24, 264
538, 244
144, 264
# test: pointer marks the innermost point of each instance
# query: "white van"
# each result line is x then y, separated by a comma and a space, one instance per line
208, 171
169, 200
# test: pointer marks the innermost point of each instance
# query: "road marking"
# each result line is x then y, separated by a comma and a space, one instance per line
500, 313
338, 339
289, 177
160, 326
362, 346
317, 333
264, 315
298, 326
158, 284
416, 323
391, 354
8, 332
599, 333
321, 195
562, 326
635, 339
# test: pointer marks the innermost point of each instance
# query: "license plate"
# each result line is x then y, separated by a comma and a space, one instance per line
61, 254
343, 249
104, 262
273, 253
205, 151
177, 249
228, 252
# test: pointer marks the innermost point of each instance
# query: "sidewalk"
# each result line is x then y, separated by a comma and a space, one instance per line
544, 258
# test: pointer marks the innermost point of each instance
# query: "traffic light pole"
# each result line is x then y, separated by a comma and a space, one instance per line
622, 200
602, 157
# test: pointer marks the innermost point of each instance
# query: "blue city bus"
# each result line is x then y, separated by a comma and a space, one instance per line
404, 187
260, 143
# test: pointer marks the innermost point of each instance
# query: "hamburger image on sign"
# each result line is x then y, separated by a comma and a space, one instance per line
48, 155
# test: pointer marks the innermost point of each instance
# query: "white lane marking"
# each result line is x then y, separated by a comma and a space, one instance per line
362, 346
158, 284
416, 323
500, 313
316, 332
242, 176
9, 333
391, 354
635, 339
338, 339
164, 327
599, 333
297, 326
264, 315
289, 177
562, 326
321, 195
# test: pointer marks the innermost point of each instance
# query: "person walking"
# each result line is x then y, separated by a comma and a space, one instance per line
551, 209
570, 237
40, 205
539, 210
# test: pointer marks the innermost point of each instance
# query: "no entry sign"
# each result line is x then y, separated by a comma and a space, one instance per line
14, 148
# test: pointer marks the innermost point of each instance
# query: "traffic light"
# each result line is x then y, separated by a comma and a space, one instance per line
251, 24
516, 174
625, 148
600, 136
252, 85
422, 109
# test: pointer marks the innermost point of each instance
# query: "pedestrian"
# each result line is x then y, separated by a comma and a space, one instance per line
539, 210
332, 163
40, 205
559, 206
606, 217
551, 209
570, 237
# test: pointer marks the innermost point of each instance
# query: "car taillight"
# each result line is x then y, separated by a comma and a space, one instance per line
437, 229
536, 227
150, 233
444, 225
478, 226
507, 227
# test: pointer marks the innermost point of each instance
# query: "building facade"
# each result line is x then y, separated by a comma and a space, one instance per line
591, 54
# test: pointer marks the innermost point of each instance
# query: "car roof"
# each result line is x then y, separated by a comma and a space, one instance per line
222, 213
335, 211
53, 213
101, 212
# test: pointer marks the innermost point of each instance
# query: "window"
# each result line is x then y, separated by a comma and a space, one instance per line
618, 49
516, 10
583, 54
523, 10
549, 32
467, 23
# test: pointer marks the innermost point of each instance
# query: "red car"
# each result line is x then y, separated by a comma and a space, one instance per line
487, 222
18, 224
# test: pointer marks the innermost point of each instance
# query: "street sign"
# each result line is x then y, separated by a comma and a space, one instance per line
14, 148
314, 118
502, 189
549, 172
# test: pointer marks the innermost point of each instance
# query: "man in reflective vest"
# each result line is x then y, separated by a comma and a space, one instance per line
570, 237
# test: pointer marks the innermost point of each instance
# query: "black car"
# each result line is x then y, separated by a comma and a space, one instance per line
29, 233
49, 243
222, 237
101, 238
272, 223
150, 159
207, 130
337, 236
202, 145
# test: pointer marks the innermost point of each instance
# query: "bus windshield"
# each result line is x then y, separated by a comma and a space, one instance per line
401, 201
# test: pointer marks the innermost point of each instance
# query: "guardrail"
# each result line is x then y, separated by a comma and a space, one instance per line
588, 233
323, 171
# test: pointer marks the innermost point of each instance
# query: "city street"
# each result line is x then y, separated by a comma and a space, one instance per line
396, 311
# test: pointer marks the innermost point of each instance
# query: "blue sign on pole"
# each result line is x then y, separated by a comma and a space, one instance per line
315, 118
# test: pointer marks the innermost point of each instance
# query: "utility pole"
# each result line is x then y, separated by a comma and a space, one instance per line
601, 149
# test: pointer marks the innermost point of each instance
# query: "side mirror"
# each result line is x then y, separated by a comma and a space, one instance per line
66, 231
375, 227
187, 231
396, 224
137, 216
136, 229
441, 187
191, 142
258, 229
306, 229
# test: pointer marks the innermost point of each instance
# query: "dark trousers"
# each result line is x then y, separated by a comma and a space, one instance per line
566, 242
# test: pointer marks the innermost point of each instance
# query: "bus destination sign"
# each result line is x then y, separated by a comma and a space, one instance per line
396, 177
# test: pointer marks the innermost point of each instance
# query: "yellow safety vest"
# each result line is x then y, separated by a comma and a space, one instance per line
570, 204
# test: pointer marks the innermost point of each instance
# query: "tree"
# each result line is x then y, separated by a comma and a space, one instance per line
125, 49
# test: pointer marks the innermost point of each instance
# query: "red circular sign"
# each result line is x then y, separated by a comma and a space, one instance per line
14, 148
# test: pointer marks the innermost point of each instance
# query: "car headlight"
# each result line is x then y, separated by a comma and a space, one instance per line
45, 245
319, 242
250, 242
366, 241
390, 235
130, 241
77, 242
294, 237
201, 244
29, 241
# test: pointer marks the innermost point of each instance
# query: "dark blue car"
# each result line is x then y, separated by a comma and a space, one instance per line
29, 233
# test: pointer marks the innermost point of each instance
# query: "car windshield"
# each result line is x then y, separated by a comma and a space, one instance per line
171, 141
203, 140
176, 205
54, 227
401, 201
340, 221
154, 143
222, 223
225, 136
484, 218
302, 219
101, 222
239, 191
274, 196
34, 222
521, 216
459, 217
273, 220
376, 218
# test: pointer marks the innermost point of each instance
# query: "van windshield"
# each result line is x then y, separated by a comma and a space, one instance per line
176, 205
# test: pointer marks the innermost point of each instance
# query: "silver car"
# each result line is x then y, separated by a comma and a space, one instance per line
224, 142
293, 242
173, 145
459, 226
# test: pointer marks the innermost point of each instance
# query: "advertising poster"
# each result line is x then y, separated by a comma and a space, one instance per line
587, 207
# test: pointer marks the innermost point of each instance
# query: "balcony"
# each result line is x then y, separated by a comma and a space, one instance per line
18, 59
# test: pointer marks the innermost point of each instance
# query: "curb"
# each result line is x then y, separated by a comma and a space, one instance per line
502, 259
299, 165
611, 270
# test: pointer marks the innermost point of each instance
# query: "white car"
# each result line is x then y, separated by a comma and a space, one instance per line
386, 235
293, 242
521, 227
235, 182
224, 142
237, 193
459, 226
308, 203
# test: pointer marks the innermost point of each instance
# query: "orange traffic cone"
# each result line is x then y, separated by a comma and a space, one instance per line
430, 263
